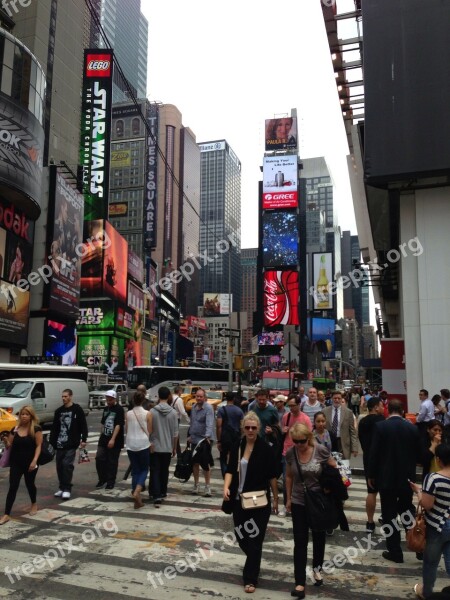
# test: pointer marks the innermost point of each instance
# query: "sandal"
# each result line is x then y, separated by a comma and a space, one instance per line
249, 588
5, 519
418, 589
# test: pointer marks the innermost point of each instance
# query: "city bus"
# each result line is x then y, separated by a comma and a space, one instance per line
153, 377
42, 370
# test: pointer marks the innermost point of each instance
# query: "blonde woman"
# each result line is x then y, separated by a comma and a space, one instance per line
307, 456
26, 442
251, 467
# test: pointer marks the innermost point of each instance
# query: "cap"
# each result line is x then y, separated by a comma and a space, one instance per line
111, 393
280, 398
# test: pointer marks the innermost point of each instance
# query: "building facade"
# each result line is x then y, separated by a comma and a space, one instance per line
249, 262
220, 220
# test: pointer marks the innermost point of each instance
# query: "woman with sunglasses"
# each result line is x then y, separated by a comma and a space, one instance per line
308, 457
251, 467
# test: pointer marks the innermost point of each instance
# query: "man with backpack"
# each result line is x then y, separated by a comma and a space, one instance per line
228, 428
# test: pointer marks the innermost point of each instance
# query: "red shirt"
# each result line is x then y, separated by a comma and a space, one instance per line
301, 418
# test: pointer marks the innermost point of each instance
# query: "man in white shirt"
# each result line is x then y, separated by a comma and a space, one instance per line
312, 404
301, 394
426, 411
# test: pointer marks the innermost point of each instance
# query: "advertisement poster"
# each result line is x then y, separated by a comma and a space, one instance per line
92, 259
17, 259
92, 350
215, 305
65, 249
96, 315
271, 338
14, 310
280, 239
281, 297
280, 182
135, 267
118, 209
281, 134
60, 340
115, 264
322, 280
323, 331
95, 136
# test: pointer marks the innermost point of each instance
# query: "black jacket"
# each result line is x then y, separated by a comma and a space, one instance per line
261, 467
394, 453
78, 430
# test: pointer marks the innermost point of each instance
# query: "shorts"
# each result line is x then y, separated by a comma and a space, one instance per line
371, 490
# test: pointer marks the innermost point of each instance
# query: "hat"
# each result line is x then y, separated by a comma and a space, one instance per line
280, 398
111, 393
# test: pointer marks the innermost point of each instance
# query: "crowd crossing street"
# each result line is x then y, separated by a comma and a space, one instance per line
96, 546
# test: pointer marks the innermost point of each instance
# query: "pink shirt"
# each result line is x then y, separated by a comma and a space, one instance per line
302, 418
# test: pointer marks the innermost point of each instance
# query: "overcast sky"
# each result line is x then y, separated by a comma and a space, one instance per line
228, 67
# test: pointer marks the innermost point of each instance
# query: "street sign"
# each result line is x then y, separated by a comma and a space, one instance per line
230, 333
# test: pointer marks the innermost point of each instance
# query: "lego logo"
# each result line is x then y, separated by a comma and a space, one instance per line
98, 65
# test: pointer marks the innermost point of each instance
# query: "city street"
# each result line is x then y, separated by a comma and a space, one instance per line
97, 545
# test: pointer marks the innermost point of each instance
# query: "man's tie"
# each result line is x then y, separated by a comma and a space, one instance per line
334, 425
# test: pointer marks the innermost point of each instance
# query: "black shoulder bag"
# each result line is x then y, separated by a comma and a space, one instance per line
320, 509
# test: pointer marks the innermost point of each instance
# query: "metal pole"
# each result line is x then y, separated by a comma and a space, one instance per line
230, 348
289, 362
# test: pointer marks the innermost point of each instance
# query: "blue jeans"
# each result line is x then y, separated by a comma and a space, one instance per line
437, 544
139, 461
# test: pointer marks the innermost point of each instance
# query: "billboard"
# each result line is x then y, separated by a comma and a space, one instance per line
96, 131
60, 340
64, 244
16, 243
118, 209
115, 264
14, 310
135, 267
150, 202
120, 158
96, 315
280, 181
92, 258
281, 296
322, 330
281, 134
150, 295
17, 259
135, 297
322, 279
215, 305
271, 338
280, 239
22, 145
92, 350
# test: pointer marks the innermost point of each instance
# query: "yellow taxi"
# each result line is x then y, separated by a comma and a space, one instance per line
213, 397
7, 421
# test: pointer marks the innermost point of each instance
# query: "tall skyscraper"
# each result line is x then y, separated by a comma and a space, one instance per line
127, 31
220, 220
249, 260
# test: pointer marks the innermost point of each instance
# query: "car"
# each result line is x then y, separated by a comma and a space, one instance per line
97, 397
7, 421
213, 397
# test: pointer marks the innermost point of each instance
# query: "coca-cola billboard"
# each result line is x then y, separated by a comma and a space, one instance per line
281, 293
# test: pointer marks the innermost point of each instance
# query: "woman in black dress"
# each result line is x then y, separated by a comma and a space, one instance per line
26, 442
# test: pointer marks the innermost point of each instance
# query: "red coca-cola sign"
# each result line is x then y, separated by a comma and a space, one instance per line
281, 292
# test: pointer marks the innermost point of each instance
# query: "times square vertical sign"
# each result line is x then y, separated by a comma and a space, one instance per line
96, 131
151, 179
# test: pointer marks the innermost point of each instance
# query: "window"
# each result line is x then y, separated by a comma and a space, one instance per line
119, 128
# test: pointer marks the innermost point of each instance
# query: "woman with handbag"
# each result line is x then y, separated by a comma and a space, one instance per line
304, 467
137, 428
250, 474
24, 443
435, 500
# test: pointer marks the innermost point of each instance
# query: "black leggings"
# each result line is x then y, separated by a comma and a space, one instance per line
15, 475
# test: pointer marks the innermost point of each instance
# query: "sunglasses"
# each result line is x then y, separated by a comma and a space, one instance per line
300, 441
250, 428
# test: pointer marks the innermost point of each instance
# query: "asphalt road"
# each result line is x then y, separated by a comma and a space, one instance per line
96, 545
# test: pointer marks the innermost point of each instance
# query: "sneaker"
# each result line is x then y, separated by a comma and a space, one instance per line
207, 493
109, 486
196, 489
58, 494
65, 495
370, 527
281, 512
100, 484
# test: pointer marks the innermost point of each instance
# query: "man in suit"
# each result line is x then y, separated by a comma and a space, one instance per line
341, 422
394, 453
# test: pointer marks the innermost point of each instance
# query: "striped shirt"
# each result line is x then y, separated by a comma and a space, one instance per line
437, 485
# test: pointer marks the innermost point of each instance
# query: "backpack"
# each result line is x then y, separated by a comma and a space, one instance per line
183, 468
229, 436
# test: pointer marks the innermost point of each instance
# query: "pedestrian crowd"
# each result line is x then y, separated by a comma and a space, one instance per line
301, 439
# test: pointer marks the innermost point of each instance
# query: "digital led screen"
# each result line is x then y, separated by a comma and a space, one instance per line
215, 305
14, 310
271, 338
281, 297
322, 280
280, 239
115, 264
323, 331
60, 340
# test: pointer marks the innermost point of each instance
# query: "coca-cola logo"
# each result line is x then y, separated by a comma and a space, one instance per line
98, 65
281, 291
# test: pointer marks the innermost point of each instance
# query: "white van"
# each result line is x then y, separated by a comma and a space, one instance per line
44, 395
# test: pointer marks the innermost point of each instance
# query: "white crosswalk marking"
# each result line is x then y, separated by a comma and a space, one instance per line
97, 545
